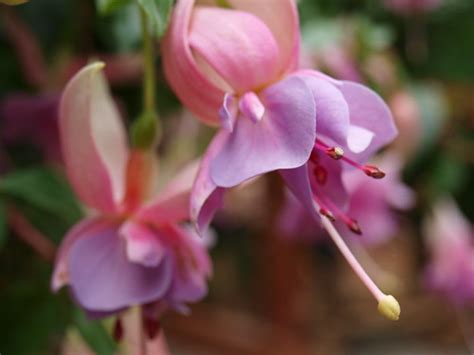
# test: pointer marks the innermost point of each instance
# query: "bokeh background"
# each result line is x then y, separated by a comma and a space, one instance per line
274, 291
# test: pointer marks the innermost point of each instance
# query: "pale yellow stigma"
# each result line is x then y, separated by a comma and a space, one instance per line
389, 307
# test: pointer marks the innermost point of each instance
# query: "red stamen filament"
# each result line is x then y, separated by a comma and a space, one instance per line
328, 206
333, 152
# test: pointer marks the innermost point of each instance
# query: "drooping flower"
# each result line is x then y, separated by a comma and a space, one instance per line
450, 240
134, 249
236, 67
410, 7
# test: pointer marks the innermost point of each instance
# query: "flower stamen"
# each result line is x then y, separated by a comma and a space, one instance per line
338, 153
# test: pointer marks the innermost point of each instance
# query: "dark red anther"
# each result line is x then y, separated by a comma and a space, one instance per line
320, 174
335, 152
151, 326
354, 226
117, 333
373, 172
326, 213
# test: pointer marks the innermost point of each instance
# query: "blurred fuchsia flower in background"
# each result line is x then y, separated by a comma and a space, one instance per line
450, 239
133, 251
409, 7
374, 203
236, 67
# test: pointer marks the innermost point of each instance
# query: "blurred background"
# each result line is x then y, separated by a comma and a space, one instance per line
279, 285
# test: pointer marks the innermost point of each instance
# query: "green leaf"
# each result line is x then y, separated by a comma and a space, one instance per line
106, 7
158, 13
3, 224
42, 189
33, 319
94, 334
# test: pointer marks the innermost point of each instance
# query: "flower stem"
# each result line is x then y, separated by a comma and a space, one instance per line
223, 3
149, 75
145, 128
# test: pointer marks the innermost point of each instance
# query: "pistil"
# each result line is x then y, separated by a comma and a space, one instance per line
388, 306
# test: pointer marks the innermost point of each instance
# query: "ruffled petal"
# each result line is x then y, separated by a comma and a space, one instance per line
237, 45
193, 266
282, 139
93, 140
359, 138
281, 17
143, 246
369, 111
332, 112
206, 197
103, 279
197, 91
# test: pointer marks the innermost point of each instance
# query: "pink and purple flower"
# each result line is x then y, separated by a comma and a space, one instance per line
236, 68
134, 249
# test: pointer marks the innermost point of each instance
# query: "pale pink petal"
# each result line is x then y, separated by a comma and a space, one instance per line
281, 17
368, 110
172, 204
237, 45
93, 140
197, 92
142, 244
251, 107
359, 138
192, 264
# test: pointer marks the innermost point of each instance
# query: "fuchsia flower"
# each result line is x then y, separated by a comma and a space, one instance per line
450, 238
235, 67
132, 251
409, 7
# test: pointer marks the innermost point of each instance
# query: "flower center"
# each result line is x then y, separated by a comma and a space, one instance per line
320, 176
248, 105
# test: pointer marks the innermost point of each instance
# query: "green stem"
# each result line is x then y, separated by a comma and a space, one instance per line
223, 3
149, 74
145, 128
